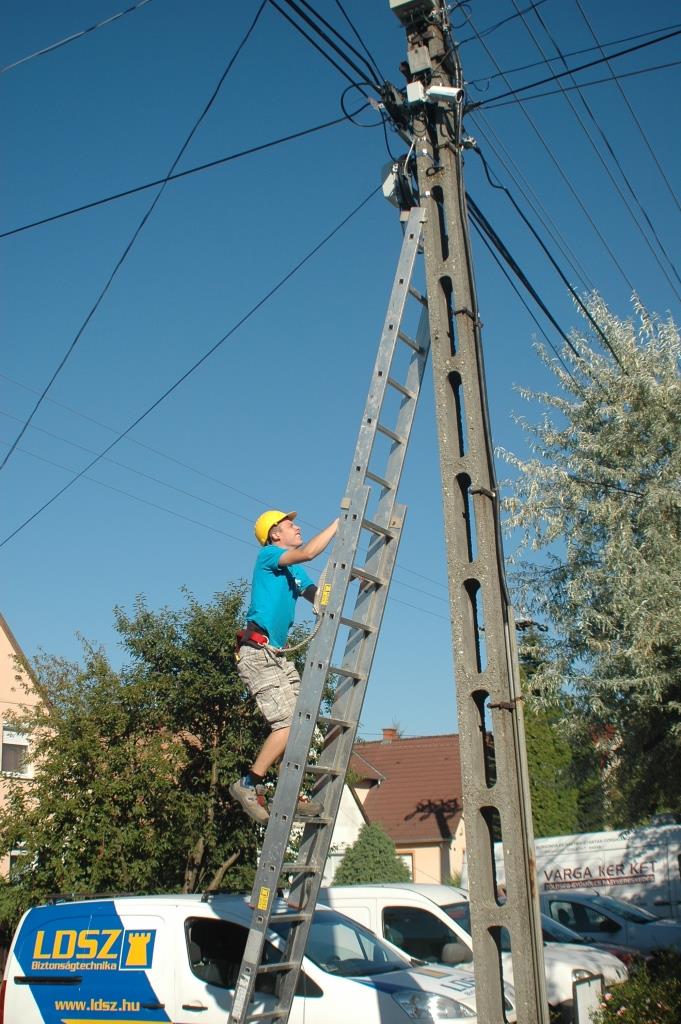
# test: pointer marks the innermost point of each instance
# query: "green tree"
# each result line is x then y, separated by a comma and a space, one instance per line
132, 766
371, 858
601, 496
554, 794
565, 782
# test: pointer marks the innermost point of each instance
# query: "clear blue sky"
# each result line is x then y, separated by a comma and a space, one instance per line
271, 418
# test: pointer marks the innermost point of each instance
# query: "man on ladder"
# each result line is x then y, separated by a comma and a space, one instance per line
278, 581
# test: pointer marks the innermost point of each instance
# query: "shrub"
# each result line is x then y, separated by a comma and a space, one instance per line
652, 995
371, 859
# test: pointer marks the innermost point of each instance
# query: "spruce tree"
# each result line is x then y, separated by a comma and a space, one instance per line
371, 858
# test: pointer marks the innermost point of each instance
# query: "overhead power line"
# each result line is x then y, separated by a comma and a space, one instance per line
72, 38
171, 487
259, 500
485, 227
379, 73
345, 42
559, 168
185, 174
580, 67
631, 110
135, 234
223, 533
550, 258
504, 21
585, 85
261, 302
360, 74
572, 53
531, 198
601, 158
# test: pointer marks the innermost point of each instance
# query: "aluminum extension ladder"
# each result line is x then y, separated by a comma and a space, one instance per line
382, 535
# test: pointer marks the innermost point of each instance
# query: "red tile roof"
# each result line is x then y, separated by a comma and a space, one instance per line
419, 799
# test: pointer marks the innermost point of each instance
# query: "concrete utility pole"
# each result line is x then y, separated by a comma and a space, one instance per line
495, 777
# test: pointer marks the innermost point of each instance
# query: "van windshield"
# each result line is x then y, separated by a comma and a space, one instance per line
340, 946
625, 910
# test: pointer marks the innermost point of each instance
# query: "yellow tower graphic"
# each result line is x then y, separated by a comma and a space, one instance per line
137, 954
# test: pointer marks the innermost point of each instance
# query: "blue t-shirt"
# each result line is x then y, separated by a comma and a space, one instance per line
274, 592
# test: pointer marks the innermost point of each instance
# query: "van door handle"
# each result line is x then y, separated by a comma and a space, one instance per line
196, 1005
153, 1006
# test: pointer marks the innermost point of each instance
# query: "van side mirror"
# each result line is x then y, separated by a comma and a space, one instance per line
455, 953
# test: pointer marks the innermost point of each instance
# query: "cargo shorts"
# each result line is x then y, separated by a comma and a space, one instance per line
273, 681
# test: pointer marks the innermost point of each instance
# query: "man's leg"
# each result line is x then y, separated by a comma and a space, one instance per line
271, 751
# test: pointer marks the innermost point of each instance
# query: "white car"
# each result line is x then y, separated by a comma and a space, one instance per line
176, 958
432, 922
605, 918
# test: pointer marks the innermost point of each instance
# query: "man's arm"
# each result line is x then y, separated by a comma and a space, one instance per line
311, 548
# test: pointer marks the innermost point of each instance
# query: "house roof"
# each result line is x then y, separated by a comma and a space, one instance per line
417, 795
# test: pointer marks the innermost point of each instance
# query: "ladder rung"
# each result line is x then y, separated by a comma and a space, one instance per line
382, 429
329, 720
346, 673
283, 965
407, 392
320, 769
416, 294
266, 1015
383, 531
409, 341
364, 574
301, 869
291, 917
354, 624
379, 480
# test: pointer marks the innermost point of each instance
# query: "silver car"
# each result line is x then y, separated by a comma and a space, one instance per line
604, 918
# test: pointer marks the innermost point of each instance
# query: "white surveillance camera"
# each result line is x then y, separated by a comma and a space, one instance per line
444, 92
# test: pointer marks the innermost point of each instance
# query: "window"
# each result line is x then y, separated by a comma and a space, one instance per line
14, 752
17, 861
422, 935
215, 949
581, 918
340, 946
408, 861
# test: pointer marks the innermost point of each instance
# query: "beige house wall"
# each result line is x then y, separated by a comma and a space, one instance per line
16, 692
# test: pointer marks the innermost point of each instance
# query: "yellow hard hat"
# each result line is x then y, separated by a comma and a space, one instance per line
267, 520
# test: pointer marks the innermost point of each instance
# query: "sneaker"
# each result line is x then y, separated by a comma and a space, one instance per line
252, 800
307, 808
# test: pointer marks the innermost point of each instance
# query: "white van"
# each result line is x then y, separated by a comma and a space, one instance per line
431, 922
154, 959
639, 865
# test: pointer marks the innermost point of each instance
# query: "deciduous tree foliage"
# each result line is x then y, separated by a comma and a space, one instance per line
371, 859
601, 497
132, 766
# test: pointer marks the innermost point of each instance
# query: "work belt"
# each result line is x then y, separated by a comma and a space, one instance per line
251, 637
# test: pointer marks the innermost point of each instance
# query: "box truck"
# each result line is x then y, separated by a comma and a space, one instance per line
640, 865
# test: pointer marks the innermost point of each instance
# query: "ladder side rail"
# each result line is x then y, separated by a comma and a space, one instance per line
389, 514
405, 419
344, 547
300, 740
288, 787
359, 652
305, 890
